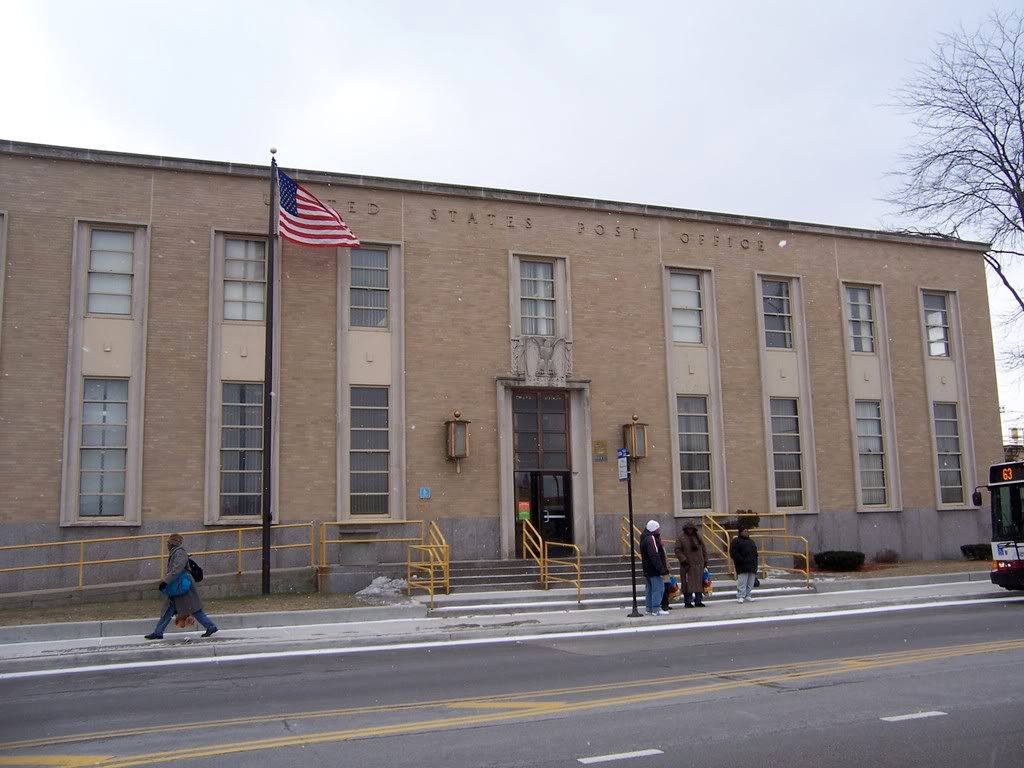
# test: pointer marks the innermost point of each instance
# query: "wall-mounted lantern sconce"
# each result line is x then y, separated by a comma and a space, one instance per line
458, 440
634, 438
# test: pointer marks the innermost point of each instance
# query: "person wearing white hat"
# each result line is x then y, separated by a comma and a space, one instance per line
655, 565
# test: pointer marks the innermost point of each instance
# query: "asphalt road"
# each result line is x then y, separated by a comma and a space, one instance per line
809, 693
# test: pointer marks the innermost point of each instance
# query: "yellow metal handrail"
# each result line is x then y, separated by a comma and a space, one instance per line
802, 550
624, 537
533, 549
426, 553
82, 561
572, 562
428, 571
718, 538
436, 539
359, 524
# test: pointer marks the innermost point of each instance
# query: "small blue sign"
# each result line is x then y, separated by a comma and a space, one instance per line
623, 462
424, 492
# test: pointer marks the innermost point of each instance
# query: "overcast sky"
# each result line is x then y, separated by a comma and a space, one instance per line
777, 109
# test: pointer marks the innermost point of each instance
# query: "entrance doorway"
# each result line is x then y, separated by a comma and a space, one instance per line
542, 464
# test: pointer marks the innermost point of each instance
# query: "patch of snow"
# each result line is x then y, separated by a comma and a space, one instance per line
382, 586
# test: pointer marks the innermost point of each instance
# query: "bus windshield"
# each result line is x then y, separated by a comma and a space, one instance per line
1007, 513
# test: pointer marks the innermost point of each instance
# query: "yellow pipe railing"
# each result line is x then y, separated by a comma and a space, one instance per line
427, 558
718, 538
533, 549
575, 577
624, 537
363, 525
802, 551
81, 563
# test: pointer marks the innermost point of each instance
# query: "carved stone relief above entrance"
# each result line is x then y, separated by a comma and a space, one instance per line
542, 360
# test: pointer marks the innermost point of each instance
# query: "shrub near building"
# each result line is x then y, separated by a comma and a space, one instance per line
839, 560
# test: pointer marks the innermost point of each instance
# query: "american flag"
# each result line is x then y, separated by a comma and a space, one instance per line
303, 219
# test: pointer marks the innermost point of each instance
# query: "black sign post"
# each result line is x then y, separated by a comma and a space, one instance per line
627, 475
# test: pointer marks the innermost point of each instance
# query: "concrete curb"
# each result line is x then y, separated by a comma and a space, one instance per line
85, 630
227, 649
30, 633
888, 582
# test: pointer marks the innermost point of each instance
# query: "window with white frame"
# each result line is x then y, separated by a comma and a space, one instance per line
537, 297
245, 279
369, 452
861, 318
778, 313
870, 452
936, 322
786, 454
241, 450
694, 452
369, 292
949, 457
103, 450
111, 270
687, 308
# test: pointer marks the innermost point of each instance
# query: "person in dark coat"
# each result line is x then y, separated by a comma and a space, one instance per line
693, 559
186, 605
743, 551
655, 565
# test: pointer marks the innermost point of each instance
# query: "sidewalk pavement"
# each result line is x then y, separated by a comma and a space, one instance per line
61, 646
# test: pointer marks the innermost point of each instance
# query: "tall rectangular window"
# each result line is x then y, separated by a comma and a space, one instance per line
947, 446
368, 295
369, 454
778, 314
241, 450
103, 451
111, 270
936, 321
687, 308
870, 451
786, 455
245, 279
537, 297
861, 319
694, 452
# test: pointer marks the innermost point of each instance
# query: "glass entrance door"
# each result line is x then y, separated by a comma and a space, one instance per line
542, 476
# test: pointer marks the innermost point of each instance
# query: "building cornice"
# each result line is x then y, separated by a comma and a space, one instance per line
104, 157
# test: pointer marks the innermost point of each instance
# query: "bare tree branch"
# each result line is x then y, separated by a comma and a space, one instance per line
965, 170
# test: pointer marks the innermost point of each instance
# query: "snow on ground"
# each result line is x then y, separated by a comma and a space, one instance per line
383, 587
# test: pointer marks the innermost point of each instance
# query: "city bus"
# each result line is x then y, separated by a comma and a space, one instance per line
1006, 485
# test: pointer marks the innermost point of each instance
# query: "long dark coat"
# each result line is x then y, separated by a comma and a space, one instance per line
693, 558
190, 602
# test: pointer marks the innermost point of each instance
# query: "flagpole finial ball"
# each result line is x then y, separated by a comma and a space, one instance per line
273, 150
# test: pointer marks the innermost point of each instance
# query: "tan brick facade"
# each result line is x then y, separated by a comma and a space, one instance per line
455, 246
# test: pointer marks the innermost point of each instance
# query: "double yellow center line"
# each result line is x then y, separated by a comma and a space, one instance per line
501, 707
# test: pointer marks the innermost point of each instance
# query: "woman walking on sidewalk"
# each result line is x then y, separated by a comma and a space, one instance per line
188, 602
693, 558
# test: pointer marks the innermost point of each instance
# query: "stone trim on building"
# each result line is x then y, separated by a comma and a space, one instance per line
74, 154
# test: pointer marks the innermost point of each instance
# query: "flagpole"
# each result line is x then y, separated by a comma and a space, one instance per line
268, 374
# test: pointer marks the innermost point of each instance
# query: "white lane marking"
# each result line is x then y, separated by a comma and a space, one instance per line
914, 716
618, 756
648, 625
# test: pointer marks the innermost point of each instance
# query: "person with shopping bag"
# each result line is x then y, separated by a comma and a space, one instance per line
180, 590
693, 558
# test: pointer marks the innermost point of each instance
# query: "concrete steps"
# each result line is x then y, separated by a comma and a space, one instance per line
561, 599
596, 571
506, 586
